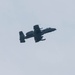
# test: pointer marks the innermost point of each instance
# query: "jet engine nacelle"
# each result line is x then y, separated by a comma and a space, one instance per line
29, 34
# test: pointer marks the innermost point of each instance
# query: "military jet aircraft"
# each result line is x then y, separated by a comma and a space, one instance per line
37, 34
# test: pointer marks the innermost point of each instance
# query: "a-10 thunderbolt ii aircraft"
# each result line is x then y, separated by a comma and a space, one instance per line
37, 34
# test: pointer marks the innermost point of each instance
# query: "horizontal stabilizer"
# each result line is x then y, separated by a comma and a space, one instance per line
22, 37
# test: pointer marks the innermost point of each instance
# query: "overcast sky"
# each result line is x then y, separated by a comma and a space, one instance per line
55, 55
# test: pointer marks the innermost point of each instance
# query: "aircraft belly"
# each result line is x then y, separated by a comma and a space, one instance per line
47, 30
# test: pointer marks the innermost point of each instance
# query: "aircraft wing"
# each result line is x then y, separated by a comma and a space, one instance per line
37, 33
38, 38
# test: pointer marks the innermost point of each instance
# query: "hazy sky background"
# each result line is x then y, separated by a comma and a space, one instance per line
55, 56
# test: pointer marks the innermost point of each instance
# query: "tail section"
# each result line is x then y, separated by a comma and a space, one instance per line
22, 37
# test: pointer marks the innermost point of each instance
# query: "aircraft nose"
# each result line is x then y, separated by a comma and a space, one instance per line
53, 29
